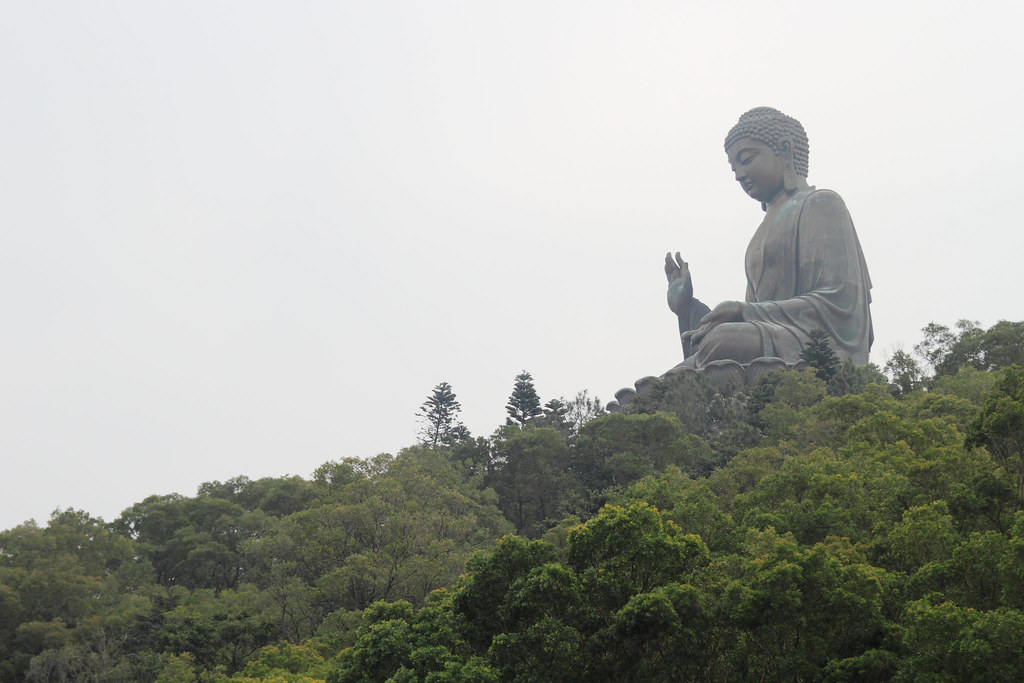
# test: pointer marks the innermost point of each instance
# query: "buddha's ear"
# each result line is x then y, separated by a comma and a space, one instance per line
789, 177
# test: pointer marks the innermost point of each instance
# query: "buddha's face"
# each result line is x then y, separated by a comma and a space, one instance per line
758, 168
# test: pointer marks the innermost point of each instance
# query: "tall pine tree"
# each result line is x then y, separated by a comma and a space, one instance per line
440, 417
524, 403
820, 355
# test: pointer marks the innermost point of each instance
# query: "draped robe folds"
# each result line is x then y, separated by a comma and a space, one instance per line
805, 270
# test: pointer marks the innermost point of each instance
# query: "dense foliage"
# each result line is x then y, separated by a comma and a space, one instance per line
826, 526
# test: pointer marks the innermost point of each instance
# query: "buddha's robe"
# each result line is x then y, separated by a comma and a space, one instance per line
805, 270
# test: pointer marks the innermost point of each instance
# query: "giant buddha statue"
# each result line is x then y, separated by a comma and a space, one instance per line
805, 269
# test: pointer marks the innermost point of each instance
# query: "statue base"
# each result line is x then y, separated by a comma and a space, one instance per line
721, 374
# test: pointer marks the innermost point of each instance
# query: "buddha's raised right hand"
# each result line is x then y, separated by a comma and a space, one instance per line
680, 286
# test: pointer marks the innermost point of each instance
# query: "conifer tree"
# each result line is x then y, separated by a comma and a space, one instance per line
524, 403
555, 411
440, 417
820, 355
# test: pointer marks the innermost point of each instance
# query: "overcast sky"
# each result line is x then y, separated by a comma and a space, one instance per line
246, 238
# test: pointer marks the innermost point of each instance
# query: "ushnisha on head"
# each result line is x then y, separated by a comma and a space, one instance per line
771, 127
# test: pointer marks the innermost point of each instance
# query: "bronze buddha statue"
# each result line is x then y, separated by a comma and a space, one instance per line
804, 265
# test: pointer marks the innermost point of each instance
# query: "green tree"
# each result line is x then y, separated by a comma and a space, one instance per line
524, 403
1003, 345
937, 342
473, 456
718, 417
820, 355
569, 416
194, 542
947, 352
397, 644
555, 410
595, 618
554, 414
395, 528
903, 372
965, 351
582, 409
218, 630
530, 477
853, 379
440, 417
273, 496
625, 551
1000, 427
925, 534
618, 449
944, 642
689, 503
71, 595
492, 576
286, 662
794, 611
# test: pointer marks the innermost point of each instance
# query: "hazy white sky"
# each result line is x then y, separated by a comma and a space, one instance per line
250, 237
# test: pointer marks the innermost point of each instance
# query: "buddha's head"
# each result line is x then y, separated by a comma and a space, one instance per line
768, 151
773, 128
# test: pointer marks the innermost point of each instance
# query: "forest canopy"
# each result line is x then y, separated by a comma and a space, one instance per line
835, 523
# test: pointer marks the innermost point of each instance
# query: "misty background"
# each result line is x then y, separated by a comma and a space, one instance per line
246, 238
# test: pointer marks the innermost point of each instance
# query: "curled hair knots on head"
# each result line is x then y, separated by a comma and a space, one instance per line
769, 126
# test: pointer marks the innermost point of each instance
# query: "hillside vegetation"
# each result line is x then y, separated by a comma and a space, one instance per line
831, 524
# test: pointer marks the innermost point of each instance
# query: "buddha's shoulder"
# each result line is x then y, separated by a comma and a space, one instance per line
823, 200
817, 195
